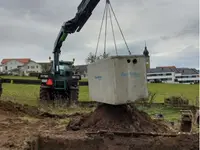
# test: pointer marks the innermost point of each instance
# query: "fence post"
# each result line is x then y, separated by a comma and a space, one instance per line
11, 81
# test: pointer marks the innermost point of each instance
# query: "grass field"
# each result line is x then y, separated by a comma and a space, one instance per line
169, 113
19, 77
165, 90
30, 93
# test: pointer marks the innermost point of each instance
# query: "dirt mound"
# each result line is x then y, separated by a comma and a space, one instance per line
19, 109
120, 118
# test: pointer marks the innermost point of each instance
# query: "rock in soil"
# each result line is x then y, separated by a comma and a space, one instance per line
117, 118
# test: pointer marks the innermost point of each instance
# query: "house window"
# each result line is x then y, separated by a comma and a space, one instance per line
6, 68
32, 67
28, 67
36, 66
168, 74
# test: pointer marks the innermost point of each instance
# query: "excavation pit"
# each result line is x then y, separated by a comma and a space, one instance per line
77, 141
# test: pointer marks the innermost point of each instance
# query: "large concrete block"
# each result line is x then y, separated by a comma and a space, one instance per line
118, 79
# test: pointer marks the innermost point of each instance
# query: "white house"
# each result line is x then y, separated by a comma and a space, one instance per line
187, 75
24, 65
171, 74
9, 64
168, 77
31, 66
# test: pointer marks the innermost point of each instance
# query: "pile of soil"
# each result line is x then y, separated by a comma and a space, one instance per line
19, 109
117, 118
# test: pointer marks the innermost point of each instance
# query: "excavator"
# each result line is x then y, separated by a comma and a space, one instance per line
61, 82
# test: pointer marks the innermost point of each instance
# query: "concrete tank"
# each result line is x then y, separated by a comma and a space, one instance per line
118, 79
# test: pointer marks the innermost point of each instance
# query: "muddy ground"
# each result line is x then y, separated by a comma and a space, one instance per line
24, 127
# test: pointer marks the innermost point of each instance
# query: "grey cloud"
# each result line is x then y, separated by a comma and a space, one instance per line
191, 29
30, 27
188, 57
165, 37
137, 47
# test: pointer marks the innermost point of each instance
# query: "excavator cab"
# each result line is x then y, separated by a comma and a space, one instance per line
63, 85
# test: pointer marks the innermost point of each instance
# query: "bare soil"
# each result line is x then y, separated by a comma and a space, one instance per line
20, 109
19, 131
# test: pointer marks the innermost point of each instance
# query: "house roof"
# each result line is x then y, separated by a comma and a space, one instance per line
22, 60
173, 69
159, 70
186, 71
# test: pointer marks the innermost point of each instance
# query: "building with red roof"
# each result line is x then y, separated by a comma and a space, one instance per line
21, 60
25, 65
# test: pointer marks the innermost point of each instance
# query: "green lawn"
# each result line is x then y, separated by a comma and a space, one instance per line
166, 90
169, 113
19, 77
30, 93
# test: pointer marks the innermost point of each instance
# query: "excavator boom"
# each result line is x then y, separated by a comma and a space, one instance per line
83, 14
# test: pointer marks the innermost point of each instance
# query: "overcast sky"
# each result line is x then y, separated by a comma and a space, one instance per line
28, 29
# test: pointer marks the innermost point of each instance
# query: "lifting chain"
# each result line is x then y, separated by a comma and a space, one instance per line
107, 11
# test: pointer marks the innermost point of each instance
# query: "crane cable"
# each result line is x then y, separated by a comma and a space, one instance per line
113, 32
120, 28
106, 11
100, 31
105, 39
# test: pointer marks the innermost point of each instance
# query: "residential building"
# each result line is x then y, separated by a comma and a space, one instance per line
31, 66
20, 66
187, 75
9, 64
171, 74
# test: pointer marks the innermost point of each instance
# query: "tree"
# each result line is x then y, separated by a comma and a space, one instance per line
91, 57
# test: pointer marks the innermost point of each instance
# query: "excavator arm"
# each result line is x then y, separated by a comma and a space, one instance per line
83, 14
